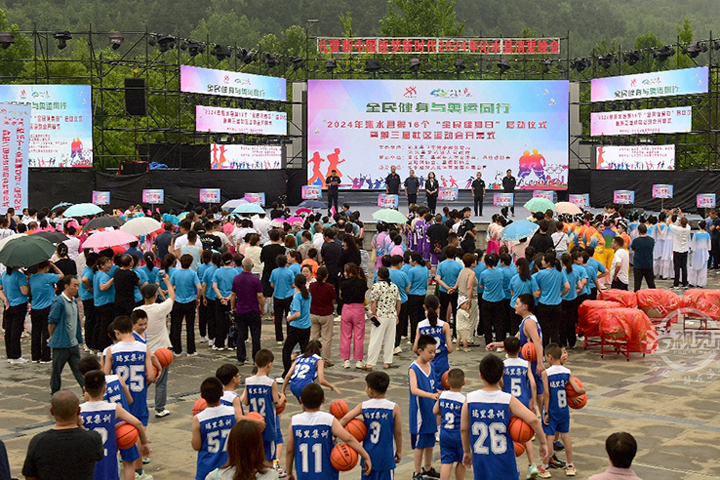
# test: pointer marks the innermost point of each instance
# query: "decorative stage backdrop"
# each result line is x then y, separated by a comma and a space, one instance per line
451, 128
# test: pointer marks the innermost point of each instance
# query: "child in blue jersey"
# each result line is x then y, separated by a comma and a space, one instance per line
519, 381
229, 376
101, 415
210, 429
485, 417
261, 394
310, 440
382, 419
308, 366
441, 332
140, 323
423, 393
448, 408
556, 416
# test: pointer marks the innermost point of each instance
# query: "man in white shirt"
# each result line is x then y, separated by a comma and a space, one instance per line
620, 266
681, 244
238, 235
157, 335
73, 244
181, 239
262, 225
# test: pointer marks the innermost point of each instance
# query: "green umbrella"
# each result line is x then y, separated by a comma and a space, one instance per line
539, 205
26, 251
389, 215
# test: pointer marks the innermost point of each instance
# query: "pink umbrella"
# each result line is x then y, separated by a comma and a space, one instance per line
303, 210
108, 238
278, 222
295, 220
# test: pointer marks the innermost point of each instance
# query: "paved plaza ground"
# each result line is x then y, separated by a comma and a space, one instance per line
669, 401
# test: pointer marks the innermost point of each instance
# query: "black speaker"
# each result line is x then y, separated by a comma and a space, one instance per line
132, 168
135, 97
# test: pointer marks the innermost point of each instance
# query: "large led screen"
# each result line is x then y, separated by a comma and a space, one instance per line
686, 81
237, 120
231, 84
452, 128
636, 157
245, 157
641, 122
61, 123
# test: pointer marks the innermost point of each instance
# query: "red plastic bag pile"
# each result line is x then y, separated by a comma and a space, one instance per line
623, 297
659, 304
706, 301
629, 325
589, 318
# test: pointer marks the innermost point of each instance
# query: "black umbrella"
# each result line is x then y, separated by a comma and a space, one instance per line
103, 222
312, 204
53, 236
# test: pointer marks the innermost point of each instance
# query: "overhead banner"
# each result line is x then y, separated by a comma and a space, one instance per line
641, 122
153, 196
636, 157
686, 81
225, 83
453, 128
624, 197
662, 190
61, 129
15, 128
245, 157
236, 120
414, 45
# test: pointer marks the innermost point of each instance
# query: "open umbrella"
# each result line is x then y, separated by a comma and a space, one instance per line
249, 208
60, 205
312, 204
52, 236
539, 205
26, 251
277, 222
104, 222
303, 210
389, 215
294, 220
5, 240
231, 204
82, 210
567, 207
519, 229
108, 238
140, 226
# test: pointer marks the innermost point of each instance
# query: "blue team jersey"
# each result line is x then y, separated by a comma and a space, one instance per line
114, 392
228, 398
449, 270
450, 404
260, 399
100, 417
128, 362
305, 372
440, 362
422, 418
140, 338
312, 432
378, 417
558, 377
525, 339
493, 453
515, 379
215, 426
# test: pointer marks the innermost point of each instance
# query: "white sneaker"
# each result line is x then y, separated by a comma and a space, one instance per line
397, 351
203, 339
280, 380
194, 354
211, 342
162, 414
18, 361
359, 364
346, 364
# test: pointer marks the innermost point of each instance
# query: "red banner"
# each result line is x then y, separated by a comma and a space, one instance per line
417, 45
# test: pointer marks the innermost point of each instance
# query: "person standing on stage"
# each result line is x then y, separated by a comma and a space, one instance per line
332, 182
392, 182
509, 184
431, 191
412, 186
478, 192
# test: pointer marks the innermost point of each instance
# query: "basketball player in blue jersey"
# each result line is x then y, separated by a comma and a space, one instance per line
262, 396
423, 393
140, 324
448, 408
309, 366
310, 440
229, 376
210, 429
556, 416
485, 416
382, 419
100, 415
441, 332
519, 382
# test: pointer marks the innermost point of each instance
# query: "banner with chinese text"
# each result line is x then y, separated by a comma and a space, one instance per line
15, 124
245, 157
387, 200
706, 200
448, 194
153, 196
503, 199
414, 45
100, 198
231, 84
546, 194
453, 128
636, 157
209, 195
237, 120
625, 197
640, 122
582, 200
258, 198
311, 192
685, 81
662, 190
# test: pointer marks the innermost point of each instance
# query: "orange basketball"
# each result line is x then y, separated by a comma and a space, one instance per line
444, 380
520, 430
343, 458
157, 372
571, 393
281, 408
339, 408
255, 416
199, 405
127, 435
576, 403
357, 429
164, 356
528, 352
519, 448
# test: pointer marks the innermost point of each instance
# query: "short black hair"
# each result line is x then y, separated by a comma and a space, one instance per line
554, 351
312, 396
211, 389
492, 369
377, 381
122, 324
225, 373
621, 447
527, 299
137, 314
511, 345
425, 340
88, 363
94, 383
263, 357
456, 377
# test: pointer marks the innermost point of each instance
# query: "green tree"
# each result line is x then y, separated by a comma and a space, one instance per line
11, 58
421, 18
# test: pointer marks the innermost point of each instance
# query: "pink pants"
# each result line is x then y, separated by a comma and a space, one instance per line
352, 327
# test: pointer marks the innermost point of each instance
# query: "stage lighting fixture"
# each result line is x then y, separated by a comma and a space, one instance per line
116, 39
62, 38
6, 39
605, 60
415, 65
632, 57
194, 47
271, 60
503, 65
165, 43
546, 65
663, 53
221, 52
330, 65
297, 63
459, 65
516, 65
372, 65
693, 49
579, 64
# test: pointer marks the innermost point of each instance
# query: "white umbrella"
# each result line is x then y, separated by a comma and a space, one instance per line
141, 226
567, 207
231, 204
4, 241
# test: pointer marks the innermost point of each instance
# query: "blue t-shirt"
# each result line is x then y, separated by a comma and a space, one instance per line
207, 280
302, 305
592, 279
377, 414
153, 276
493, 454
224, 277
551, 285
185, 282
597, 266
449, 270
401, 281
418, 276
108, 296
295, 269
577, 274
283, 279
508, 273
202, 268
422, 418
142, 275
518, 287
11, 285
492, 281
215, 426
86, 294
479, 268
42, 288
406, 268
